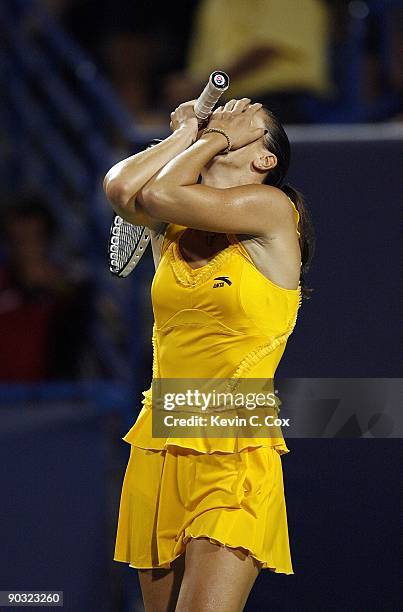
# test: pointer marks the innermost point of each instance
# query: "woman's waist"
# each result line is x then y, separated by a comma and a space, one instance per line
145, 433
208, 357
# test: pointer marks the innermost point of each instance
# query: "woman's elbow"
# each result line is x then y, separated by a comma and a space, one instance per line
116, 191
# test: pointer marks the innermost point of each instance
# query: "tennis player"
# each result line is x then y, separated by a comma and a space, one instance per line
200, 517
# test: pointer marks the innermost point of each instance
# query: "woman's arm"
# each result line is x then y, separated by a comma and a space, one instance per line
174, 196
125, 180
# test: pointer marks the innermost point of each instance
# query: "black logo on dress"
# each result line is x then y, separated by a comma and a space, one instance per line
222, 280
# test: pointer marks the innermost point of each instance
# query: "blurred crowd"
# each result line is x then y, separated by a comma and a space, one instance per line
288, 54
44, 308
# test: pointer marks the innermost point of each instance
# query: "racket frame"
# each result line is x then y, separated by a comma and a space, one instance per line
113, 247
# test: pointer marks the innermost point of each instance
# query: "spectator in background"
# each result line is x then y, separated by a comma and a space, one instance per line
43, 313
136, 42
275, 51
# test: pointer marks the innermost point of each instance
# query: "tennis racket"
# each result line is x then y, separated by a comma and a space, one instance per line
128, 242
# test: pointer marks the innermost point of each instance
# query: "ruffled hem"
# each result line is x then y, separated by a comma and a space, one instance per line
140, 435
189, 535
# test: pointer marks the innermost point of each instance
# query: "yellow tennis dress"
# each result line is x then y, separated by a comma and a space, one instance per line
229, 490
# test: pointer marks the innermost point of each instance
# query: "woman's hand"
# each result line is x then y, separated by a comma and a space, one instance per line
184, 117
236, 119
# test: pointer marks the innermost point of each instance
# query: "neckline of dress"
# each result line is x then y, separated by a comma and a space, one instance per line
192, 276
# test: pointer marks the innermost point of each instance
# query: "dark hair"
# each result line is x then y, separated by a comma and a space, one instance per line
276, 141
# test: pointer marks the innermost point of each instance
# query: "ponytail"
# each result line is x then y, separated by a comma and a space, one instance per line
307, 235
276, 141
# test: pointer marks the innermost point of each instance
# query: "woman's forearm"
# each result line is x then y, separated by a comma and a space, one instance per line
126, 178
184, 169
168, 185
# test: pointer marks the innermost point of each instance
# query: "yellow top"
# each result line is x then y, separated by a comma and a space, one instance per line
227, 30
237, 331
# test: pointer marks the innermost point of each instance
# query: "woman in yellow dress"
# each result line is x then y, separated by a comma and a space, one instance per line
199, 517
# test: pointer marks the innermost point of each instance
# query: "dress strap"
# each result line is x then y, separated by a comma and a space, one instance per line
296, 215
172, 233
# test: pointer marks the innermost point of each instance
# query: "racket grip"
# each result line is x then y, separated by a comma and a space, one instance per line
218, 83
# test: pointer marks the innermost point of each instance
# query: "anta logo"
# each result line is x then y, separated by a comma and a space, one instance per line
222, 280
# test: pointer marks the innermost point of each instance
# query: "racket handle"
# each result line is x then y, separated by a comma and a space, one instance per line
218, 82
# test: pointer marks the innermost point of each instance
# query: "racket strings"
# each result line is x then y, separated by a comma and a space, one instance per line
124, 240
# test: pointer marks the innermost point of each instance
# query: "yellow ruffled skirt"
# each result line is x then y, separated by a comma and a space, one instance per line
173, 493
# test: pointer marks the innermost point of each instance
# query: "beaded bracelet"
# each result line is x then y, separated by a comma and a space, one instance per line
207, 130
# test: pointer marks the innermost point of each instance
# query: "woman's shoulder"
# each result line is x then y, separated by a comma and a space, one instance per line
280, 203
275, 194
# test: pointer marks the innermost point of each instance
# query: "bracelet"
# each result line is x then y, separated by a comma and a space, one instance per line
219, 131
